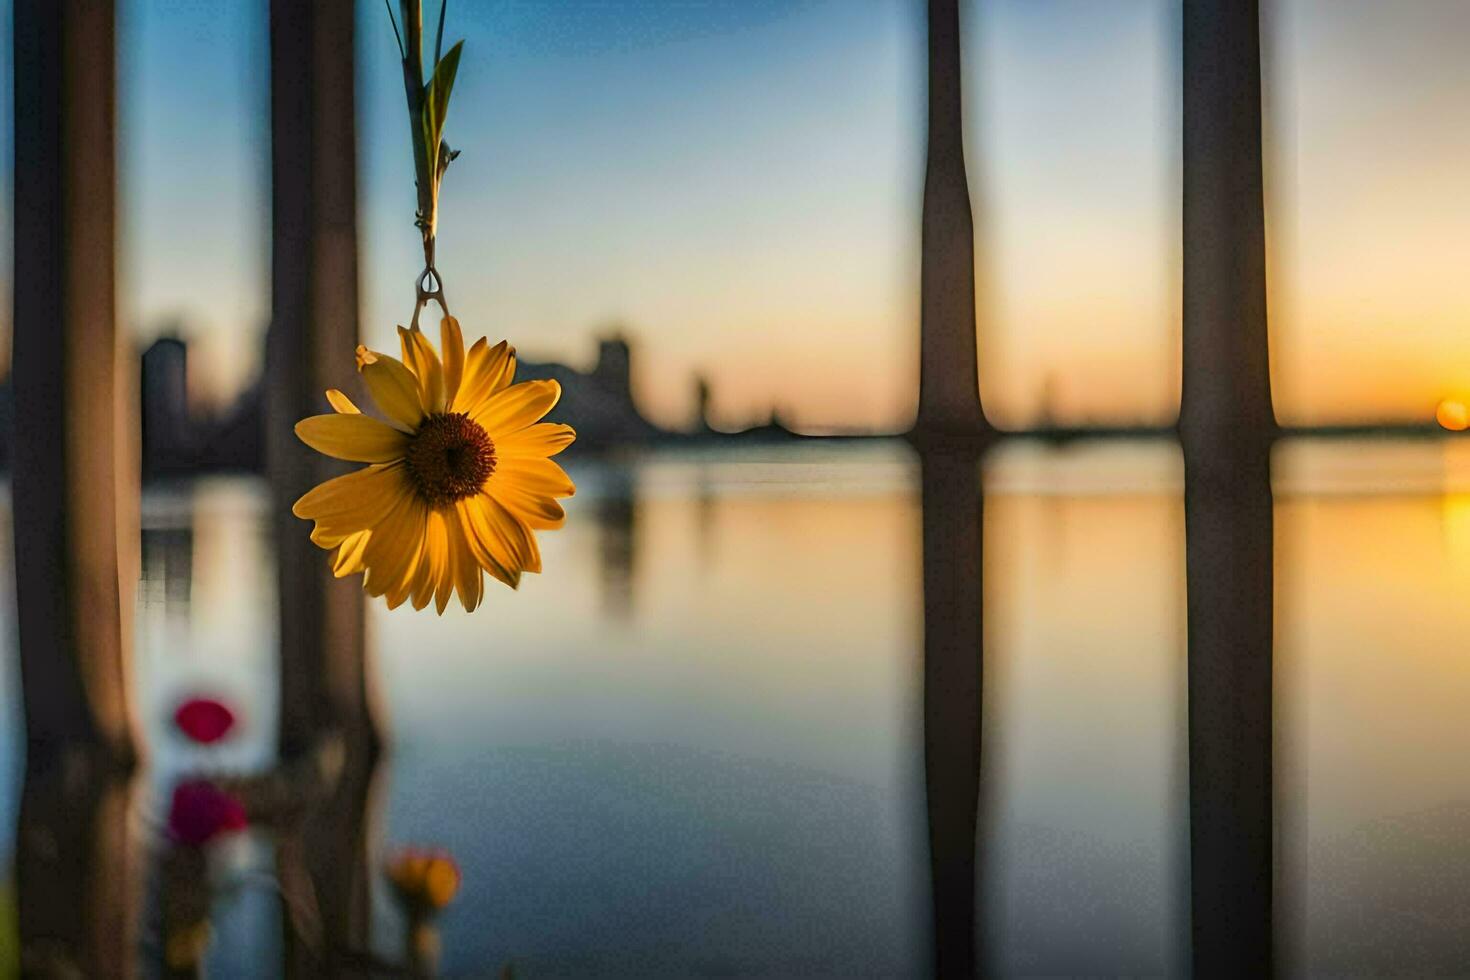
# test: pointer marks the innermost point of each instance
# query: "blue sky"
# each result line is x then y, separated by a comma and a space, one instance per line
732, 181
738, 184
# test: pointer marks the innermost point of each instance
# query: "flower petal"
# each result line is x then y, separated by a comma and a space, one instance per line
394, 550
448, 525
487, 370
356, 502
516, 407
541, 477
421, 590
451, 347
468, 580
489, 550
393, 387
342, 403
514, 532
419, 355
434, 565
536, 441
349, 556
352, 437
538, 512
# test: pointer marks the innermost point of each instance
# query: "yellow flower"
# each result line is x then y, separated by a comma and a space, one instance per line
461, 475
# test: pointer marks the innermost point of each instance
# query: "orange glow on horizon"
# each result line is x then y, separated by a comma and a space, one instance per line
1452, 415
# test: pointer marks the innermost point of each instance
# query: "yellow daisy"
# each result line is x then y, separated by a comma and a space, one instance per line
461, 474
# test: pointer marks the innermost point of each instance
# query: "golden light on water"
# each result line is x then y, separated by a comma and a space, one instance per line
1452, 415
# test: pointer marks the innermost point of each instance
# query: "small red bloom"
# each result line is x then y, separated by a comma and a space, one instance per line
201, 811
205, 720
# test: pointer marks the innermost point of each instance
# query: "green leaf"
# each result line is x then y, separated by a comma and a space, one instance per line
436, 103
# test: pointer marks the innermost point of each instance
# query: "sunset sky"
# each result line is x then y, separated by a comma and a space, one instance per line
738, 184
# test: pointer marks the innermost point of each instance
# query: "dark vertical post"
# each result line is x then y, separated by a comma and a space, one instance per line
950, 436
73, 496
313, 334
1225, 411
1227, 428
949, 387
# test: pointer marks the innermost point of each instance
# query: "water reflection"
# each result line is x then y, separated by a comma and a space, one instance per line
616, 512
1373, 571
1229, 581
953, 549
168, 555
724, 772
1083, 816
324, 847
707, 786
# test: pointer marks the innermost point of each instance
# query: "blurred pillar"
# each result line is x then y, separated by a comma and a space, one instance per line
78, 883
313, 333
1225, 410
949, 387
950, 435
1227, 427
75, 483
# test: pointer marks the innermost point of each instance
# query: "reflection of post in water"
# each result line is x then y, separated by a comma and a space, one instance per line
618, 541
950, 434
77, 887
706, 514
312, 334
323, 863
953, 519
168, 567
1226, 427
1228, 540
318, 809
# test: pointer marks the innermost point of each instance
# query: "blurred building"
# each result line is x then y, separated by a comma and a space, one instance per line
236, 437
598, 403
168, 425
178, 437
703, 395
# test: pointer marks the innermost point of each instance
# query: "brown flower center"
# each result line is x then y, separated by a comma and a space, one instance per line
449, 458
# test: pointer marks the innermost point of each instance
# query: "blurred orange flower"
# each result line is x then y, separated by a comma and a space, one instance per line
425, 880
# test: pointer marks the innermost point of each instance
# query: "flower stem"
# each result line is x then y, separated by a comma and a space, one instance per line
427, 217
439, 34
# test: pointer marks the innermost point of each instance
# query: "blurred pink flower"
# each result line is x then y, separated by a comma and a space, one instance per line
204, 720
201, 811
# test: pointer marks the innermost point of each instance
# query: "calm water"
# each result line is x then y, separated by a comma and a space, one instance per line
693, 746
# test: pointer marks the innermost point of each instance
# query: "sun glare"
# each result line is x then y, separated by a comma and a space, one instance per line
1452, 415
